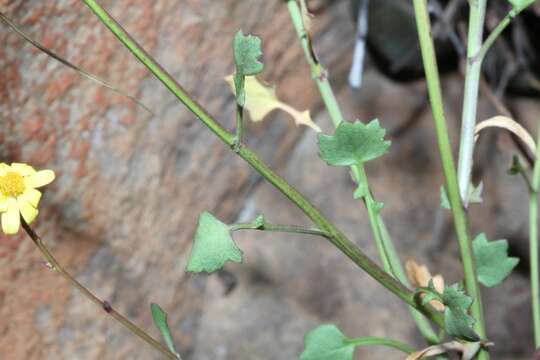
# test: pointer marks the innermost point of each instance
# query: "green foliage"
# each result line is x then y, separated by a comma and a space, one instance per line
516, 168
475, 195
247, 51
160, 320
213, 246
445, 203
430, 293
353, 144
493, 264
519, 5
327, 342
457, 322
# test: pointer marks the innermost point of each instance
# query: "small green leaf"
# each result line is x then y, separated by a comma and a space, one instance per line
493, 264
457, 322
327, 342
160, 320
516, 168
353, 144
475, 195
247, 51
213, 246
445, 203
519, 5
362, 188
378, 206
429, 293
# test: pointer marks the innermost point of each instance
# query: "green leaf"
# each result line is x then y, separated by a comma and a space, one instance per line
327, 342
457, 322
160, 320
493, 264
353, 144
516, 168
213, 246
247, 51
430, 293
475, 195
445, 203
362, 189
519, 5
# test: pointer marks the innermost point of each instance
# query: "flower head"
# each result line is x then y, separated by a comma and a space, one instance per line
18, 194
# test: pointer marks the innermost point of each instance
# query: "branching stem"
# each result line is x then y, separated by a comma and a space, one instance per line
477, 12
494, 35
336, 237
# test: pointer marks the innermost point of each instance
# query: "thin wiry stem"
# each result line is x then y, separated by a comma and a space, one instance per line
104, 305
533, 244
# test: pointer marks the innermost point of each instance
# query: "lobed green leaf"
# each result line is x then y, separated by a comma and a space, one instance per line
353, 144
327, 342
247, 51
213, 246
493, 264
457, 322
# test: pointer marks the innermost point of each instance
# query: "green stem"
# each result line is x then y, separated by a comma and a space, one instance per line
382, 341
336, 237
55, 265
360, 176
239, 84
397, 269
239, 127
264, 226
477, 12
495, 34
523, 173
320, 75
533, 244
443, 140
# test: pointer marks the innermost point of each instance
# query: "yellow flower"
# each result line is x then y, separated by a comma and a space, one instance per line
18, 194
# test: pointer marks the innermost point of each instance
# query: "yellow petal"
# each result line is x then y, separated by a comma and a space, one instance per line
11, 219
23, 169
31, 196
4, 168
38, 179
28, 212
3, 203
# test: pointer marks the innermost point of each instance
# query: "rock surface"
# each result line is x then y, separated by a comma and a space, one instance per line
130, 187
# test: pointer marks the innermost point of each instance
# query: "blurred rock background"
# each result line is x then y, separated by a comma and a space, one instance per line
130, 187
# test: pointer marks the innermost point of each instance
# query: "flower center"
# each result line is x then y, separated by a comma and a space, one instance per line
11, 184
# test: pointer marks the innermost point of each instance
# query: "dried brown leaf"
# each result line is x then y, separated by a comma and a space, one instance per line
419, 276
